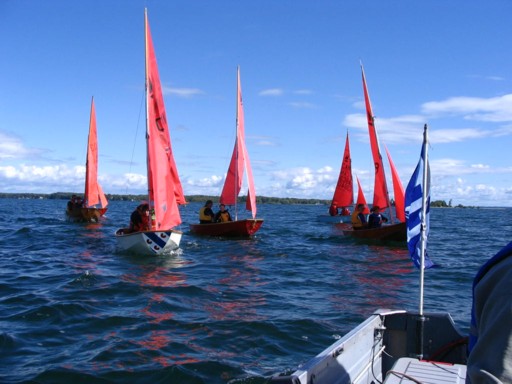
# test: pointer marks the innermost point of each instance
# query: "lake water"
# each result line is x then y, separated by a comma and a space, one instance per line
217, 311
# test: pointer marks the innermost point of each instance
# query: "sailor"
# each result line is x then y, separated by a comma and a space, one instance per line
139, 218
359, 218
375, 219
490, 340
333, 210
206, 214
223, 215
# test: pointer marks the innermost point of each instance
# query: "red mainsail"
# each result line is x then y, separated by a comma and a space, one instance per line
344, 192
380, 191
164, 186
239, 162
360, 197
93, 193
398, 190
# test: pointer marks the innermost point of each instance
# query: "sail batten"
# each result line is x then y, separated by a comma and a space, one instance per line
164, 187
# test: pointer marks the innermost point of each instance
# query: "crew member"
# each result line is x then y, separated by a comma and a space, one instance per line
223, 215
359, 218
206, 214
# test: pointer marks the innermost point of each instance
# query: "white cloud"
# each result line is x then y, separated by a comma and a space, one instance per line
494, 109
11, 147
182, 92
206, 182
272, 92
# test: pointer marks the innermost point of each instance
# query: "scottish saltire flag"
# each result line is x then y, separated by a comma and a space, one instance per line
413, 211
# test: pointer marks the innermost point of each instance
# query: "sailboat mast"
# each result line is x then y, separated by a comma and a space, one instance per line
237, 149
146, 93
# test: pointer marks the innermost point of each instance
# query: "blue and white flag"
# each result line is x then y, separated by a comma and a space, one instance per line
413, 211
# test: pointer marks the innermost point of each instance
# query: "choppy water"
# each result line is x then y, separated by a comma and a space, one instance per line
218, 311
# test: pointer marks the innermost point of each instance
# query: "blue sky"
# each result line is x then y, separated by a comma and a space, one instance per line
444, 63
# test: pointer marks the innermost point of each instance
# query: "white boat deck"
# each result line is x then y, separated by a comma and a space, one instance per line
409, 370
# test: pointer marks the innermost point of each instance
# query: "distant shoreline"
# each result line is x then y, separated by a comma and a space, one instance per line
190, 199
203, 198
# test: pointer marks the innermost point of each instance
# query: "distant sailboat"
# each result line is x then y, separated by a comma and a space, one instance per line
395, 230
164, 187
344, 192
233, 185
94, 204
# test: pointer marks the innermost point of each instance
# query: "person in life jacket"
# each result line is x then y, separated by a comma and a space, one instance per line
333, 210
358, 218
490, 338
206, 214
345, 211
223, 215
139, 219
376, 219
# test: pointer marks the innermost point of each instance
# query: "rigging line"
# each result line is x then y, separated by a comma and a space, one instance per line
135, 137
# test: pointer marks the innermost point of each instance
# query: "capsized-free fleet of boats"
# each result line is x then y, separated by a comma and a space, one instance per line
165, 192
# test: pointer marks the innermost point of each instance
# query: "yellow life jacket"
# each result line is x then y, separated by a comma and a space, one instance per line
202, 215
356, 221
224, 216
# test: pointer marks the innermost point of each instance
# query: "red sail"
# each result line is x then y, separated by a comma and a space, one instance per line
93, 193
344, 192
398, 190
360, 197
239, 161
380, 191
164, 186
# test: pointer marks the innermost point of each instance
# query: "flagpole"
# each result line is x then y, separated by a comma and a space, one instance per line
423, 237
423, 229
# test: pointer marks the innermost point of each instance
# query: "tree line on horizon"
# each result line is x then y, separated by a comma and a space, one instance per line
199, 198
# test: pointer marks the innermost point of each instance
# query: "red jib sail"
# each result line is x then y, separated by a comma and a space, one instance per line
398, 190
93, 193
344, 192
164, 186
360, 197
239, 162
380, 191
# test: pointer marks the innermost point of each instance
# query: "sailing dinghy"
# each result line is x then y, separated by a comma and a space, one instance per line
344, 192
394, 346
164, 187
393, 231
94, 204
233, 185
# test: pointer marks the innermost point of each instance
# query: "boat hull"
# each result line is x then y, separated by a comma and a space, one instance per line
238, 228
334, 219
148, 243
85, 214
377, 349
391, 232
